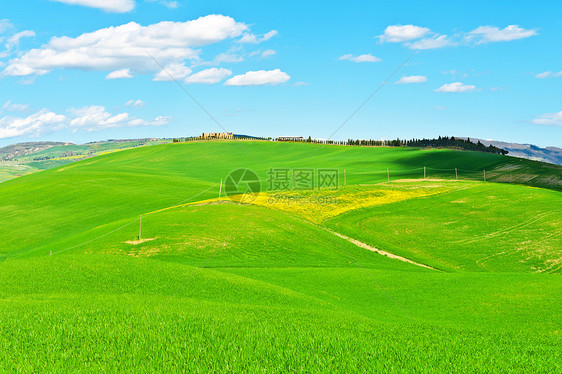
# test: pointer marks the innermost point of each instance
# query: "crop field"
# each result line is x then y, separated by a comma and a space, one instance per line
206, 284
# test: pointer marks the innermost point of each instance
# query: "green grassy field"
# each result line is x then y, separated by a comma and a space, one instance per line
58, 155
269, 287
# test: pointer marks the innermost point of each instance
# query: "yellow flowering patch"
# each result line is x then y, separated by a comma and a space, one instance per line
319, 205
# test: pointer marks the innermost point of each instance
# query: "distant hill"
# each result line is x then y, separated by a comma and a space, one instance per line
24, 158
552, 155
13, 151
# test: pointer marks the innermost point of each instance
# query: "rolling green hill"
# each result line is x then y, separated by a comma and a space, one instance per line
25, 158
270, 286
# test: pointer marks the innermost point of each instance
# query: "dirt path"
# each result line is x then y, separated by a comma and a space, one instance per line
379, 251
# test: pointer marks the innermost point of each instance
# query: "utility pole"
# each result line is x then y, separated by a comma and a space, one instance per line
456, 174
388, 174
484, 175
424, 172
140, 228
220, 191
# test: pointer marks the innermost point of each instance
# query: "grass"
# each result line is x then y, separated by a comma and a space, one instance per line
10, 170
254, 288
59, 155
485, 227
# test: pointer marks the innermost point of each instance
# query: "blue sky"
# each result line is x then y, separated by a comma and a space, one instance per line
84, 70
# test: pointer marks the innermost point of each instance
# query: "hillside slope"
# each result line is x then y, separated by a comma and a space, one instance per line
269, 287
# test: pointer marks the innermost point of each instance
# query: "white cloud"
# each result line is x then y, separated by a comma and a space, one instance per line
456, 87
421, 38
440, 107
403, 33
258, 78
253, 39
127, 46
268, 53
300, 84
34, 124
12, 107
112, 6
120, 74
494, 34
88, 118
549, 119
175, 69
360, 58
412, 79
548, 74
209, 76
14, 40
95, 117
135, 103
437, 41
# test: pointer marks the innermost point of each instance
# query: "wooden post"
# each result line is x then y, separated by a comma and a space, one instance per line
424, 172
140, 228
484, 175
456, 174
388, 174
220, 191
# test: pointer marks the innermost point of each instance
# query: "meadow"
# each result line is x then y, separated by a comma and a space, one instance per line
268, 286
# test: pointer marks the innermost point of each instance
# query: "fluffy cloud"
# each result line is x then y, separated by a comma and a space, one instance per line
403, 33
419, 38
437, 41
209, 76
549, 119
258, 78
412, 79
360, 58
112, 6
14, 40
95, 117
175, 69
456, 87
88, 118
548, 74
488, 34
34, 124
135, 103
128, 46
120, 74
253, 39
